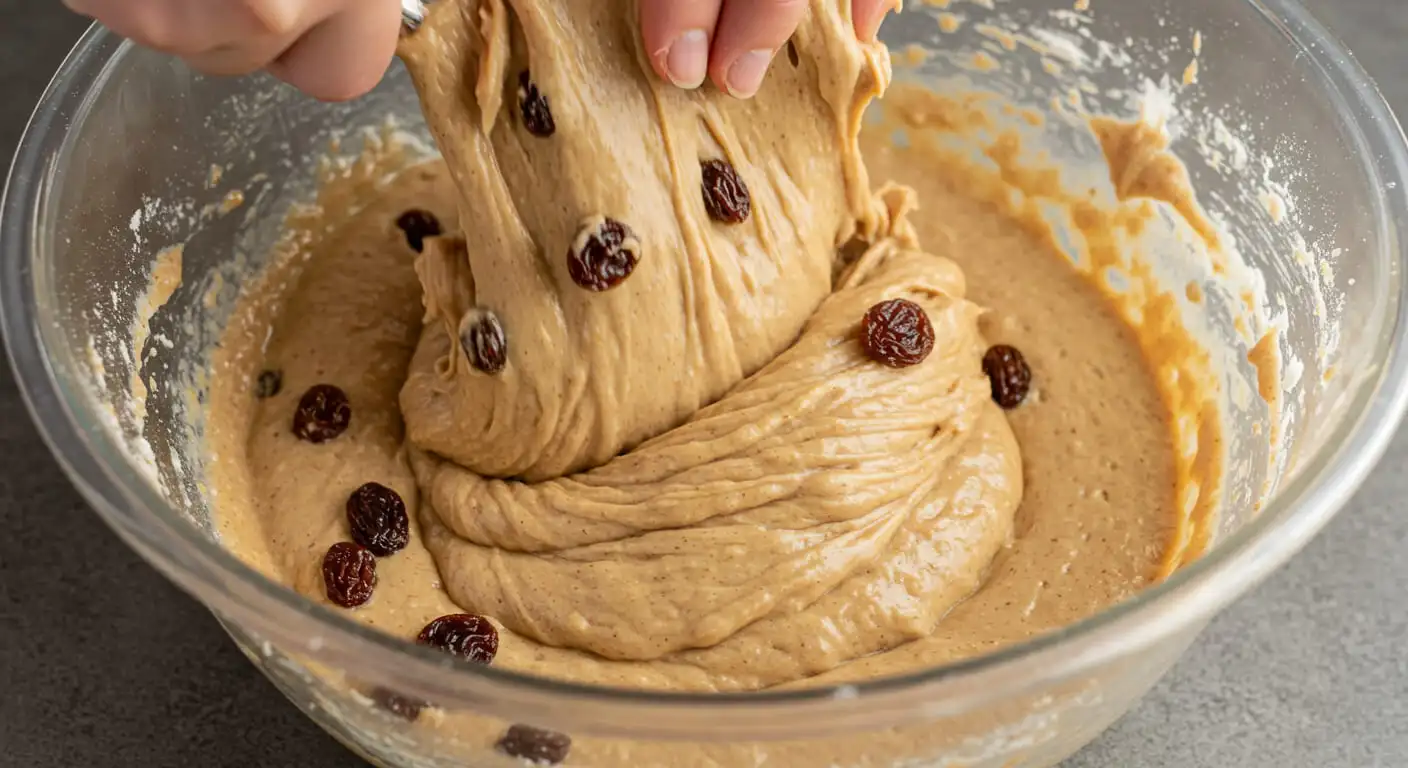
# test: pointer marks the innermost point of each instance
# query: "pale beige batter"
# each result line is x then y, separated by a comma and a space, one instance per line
696, 480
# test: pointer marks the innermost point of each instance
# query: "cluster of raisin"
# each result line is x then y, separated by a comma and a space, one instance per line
474, 639
376, 515
464, 635
606, 251
898, 333
481, 334
380, 527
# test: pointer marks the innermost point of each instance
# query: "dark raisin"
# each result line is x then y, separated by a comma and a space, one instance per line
464, 635
535, 745
725, 195
1010, 375
378, 519
851, 251
268, 384
537, 114
792, 55
897, 332
483, 341
604, 255
349, 573
323, 413
403, 707
418, 225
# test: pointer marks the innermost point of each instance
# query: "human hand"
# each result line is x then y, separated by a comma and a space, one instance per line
732, 41
331, 49
339, 49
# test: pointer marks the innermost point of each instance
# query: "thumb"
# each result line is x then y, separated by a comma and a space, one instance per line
346, 54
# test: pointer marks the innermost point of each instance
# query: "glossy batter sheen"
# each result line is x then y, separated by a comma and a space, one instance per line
696, 480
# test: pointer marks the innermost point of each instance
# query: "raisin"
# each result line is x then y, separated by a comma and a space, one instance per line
323, 413
418, 225
465, 635
349, 573
851, 251
535, 745
403, 707
897, 332
537, 114
725, 195
483, 341
1010, 375
268, 384
604, 255
792, 55
378, 519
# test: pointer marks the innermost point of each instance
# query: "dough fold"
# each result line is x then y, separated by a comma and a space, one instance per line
592, 374
700, 466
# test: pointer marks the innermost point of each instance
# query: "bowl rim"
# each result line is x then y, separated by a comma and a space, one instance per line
237, 592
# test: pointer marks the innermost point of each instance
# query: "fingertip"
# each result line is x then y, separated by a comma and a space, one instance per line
869, 15
748, 36
677, 37
743, 77
316, 81
279, 18
345, 56
332, 90
328, 79
686, 60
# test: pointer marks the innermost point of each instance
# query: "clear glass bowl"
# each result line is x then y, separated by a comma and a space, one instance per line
117, 163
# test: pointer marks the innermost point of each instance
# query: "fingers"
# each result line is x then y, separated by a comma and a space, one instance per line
277, 24
748, 34
732, 41
346, 55
331, 49
868, 14
677, 35
178, 27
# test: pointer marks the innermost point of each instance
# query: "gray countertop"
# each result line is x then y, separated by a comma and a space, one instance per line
103, 663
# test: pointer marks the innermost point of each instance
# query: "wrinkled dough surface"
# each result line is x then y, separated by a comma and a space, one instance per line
699, 468
827, 508
592, 374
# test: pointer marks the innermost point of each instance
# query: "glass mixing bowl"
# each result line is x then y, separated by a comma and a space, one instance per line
129, 152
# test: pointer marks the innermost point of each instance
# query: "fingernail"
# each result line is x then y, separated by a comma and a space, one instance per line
745, 75
687, 59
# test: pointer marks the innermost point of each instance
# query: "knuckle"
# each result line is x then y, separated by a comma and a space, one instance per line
278, 19
149, 24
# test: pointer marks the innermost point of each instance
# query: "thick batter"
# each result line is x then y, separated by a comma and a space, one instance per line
696, 479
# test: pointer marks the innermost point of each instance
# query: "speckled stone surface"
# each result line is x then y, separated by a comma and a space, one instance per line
102, 663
